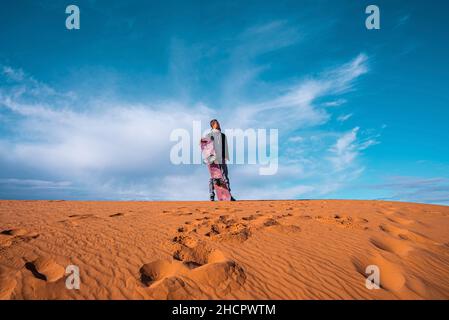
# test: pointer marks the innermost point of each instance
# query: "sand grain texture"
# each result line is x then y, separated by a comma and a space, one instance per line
235, 250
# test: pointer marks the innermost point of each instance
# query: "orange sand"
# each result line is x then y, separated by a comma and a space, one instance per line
236, 250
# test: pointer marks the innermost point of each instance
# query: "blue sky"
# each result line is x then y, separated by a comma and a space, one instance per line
362, 114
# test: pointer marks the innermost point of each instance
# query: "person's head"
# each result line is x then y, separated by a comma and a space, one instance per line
214, 124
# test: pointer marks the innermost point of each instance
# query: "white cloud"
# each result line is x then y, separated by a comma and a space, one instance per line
347, 148
296, 107
118, 150
13, 74
243, 72
335, 103
344, 117
35, 183
416, 189
296, 139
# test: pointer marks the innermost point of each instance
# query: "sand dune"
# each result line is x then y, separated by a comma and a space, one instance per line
234, 250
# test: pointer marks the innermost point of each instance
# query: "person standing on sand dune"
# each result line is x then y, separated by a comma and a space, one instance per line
221, 151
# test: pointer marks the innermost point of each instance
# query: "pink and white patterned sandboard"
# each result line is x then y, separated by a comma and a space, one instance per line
208, 152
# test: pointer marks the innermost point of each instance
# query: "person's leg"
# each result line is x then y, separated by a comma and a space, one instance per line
224, 171
211, 189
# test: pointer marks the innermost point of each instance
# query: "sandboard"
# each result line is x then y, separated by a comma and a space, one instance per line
209, 157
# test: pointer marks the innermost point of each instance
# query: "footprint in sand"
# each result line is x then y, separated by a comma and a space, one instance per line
343, 221
46, 269
406, 234
393, 278
185, 240
15, 232
11, 236
271, 223
250, 218
157, 270
196, 271
82, 216
285, 215
222, 229
203, 218
118, 214
285, 229
391, 275
398, 247
164, 281
232, 229
184, 214
192, 252
228, 229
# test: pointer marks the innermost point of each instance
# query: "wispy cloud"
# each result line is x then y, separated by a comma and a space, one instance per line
416, 189
243, 70
35, 183
347, 148
344, 117
334, 103
21, 85
295, 107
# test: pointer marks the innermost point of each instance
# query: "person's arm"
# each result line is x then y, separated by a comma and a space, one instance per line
207, 136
